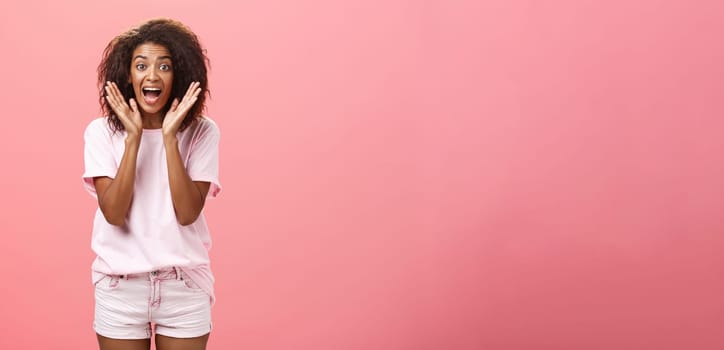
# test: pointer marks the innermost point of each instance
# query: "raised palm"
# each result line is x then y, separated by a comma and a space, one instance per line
130, 116
176, 114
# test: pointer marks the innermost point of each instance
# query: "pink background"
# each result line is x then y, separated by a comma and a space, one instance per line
401, 174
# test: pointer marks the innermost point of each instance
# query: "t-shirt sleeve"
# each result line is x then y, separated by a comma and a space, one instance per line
203, 162
98, 155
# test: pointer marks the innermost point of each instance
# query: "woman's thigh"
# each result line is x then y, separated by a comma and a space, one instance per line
168, 343
123, 344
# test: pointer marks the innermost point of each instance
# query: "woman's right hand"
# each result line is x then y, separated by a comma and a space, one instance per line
129, 116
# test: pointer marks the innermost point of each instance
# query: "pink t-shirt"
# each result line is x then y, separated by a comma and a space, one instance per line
152, 238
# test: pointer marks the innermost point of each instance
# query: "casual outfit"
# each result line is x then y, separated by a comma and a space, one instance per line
152, 260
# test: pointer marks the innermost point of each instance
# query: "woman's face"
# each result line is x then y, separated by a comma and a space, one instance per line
151, 77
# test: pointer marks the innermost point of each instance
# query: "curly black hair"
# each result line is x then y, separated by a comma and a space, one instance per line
189, 64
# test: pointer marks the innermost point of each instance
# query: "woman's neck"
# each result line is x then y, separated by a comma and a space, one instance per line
154, 121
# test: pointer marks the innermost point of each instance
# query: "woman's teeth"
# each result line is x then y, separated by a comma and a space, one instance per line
151, 95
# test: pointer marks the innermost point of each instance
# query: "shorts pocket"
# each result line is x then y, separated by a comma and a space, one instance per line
108, 282
189, 284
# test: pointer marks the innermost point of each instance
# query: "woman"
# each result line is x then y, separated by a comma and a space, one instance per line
151, 162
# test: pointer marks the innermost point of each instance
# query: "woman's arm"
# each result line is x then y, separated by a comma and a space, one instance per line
188, 196
114, 195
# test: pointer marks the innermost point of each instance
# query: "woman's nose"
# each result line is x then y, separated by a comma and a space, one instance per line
152, 75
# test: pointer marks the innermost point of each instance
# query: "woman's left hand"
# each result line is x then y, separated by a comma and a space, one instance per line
176, 114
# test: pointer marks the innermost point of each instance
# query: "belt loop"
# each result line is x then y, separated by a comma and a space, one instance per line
178, 272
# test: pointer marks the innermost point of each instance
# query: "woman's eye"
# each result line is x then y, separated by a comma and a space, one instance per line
165, 67
140, 66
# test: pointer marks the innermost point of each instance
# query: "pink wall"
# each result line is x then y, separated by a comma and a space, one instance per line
401, 174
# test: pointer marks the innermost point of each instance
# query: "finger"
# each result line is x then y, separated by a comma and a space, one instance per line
186, 93
117, 101
117, 93
186, 104
112, 102
174, 104
111, 90
190, 90
134, 106
191, 97
113, 93
109, 94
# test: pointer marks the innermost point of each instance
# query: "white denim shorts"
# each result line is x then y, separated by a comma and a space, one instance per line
165, 301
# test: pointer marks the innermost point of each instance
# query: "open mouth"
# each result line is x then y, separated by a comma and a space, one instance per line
151, 95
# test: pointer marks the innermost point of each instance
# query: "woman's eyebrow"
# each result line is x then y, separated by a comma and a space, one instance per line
159, 58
